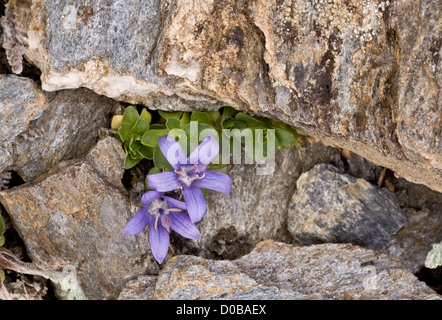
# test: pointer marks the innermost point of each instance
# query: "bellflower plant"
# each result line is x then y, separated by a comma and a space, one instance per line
190, 174
161, 213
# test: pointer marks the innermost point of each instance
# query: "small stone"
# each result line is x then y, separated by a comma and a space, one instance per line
332, 207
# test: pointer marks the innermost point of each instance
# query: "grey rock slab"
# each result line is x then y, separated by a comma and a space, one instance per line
21, 102
275, 270
329, 206
67, 129
77, 212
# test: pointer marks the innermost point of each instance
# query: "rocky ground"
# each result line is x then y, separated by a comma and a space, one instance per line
350, 214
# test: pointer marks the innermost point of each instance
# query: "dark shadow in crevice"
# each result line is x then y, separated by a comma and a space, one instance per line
432, 277
16, 180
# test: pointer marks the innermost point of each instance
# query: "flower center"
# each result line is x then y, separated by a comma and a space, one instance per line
160, 209
187, 174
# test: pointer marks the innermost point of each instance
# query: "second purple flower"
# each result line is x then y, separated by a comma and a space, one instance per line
190, 174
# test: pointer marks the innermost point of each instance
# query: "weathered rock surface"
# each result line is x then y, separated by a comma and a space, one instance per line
363, 75
40, 129
141, 288
20, 102
413, 242
67, 129
77, 212
329, 206
275, 270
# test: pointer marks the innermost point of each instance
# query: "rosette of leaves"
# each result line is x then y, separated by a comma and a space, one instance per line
140, 137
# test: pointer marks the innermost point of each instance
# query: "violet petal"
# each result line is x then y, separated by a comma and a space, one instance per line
174, 203
172, 151
215, 180
181, 224
159, 241
196, 204
163, 181
149, 196
138, 223
206, 152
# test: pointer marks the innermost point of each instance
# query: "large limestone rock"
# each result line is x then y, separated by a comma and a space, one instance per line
77, 213
361, 75
279, 271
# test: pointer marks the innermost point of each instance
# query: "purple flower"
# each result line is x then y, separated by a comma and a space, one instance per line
161, 213
190, 174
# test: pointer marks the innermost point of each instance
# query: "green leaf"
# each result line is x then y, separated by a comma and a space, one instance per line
2, 240
173, 123
286, 127
285, 138
202, 117
215, 115
154, 170
130, 162
130, 116
249, 120
228, 112
140, 127
159, 160
132, 145
132, 157
201, 127
2, 275
167, 115
124, 131
146, 115
218, 167
150, 138
157, 126
185, 119
146, 151
234, 124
